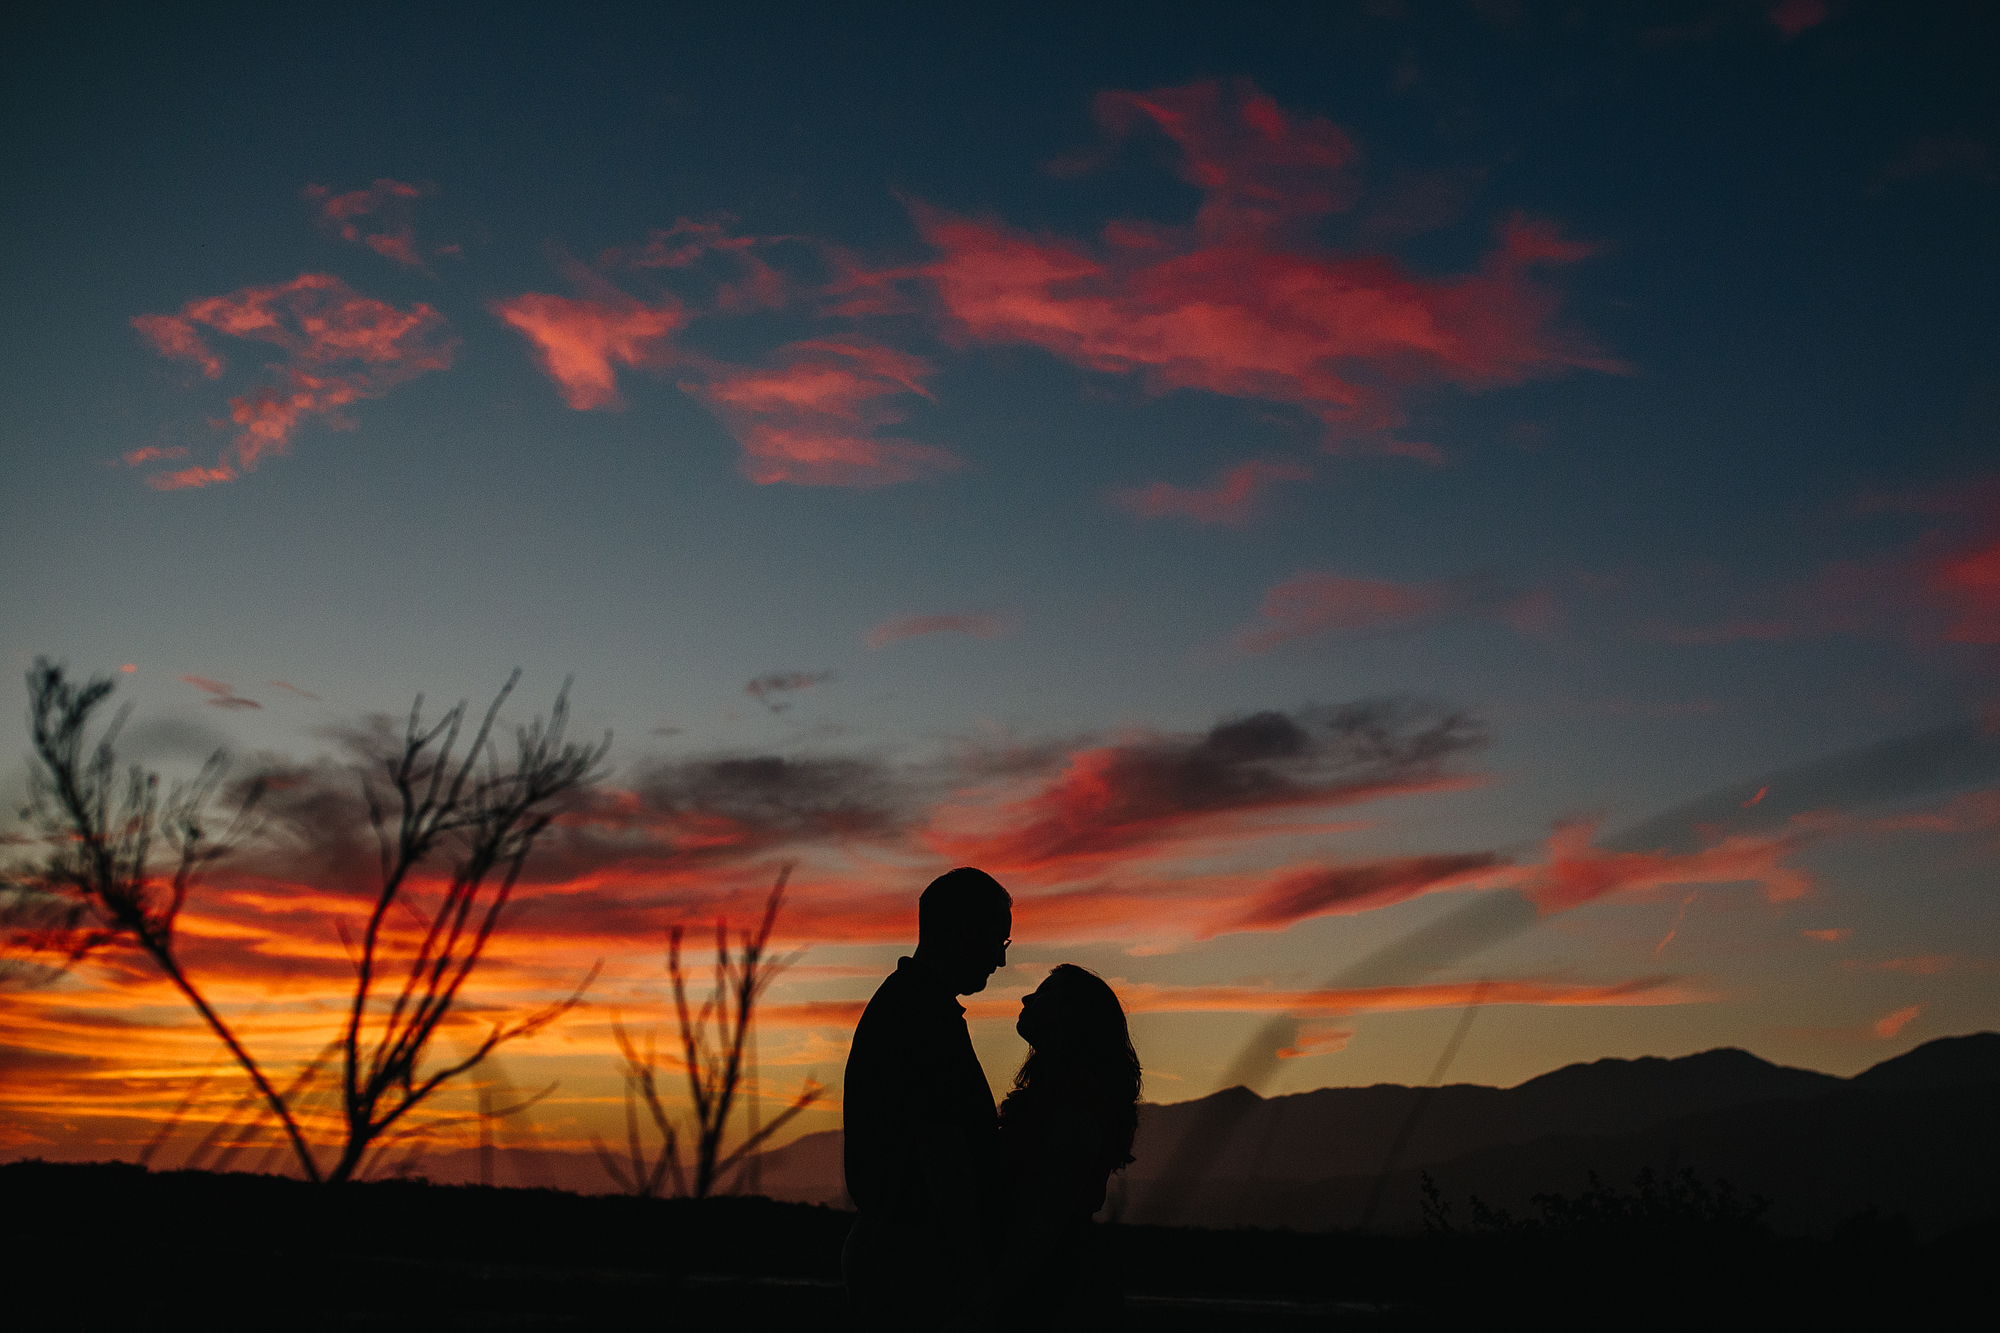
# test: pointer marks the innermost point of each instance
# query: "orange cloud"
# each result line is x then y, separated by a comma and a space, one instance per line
1243, 301
390, 199
341, 347
1228, 501
1890, 1024
1318, 602
1316, 1039
811, 419
977, 625
580, 342
1831, 935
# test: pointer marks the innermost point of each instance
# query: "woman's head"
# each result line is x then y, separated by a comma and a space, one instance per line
1073, 1010
1080, 1041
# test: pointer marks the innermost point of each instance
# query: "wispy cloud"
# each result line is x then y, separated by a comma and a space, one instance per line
976, 625
151, 453
1150, 793
387, 202
221, 696
769, 690
1792, 17
1942, 588
1323, 891
1932, 156
1579, 872
1322, 602
813, 417
742, 280
340, 348
1243, 301
1227, 500
176, 338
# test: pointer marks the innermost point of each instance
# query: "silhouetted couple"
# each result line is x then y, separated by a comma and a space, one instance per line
970, 1219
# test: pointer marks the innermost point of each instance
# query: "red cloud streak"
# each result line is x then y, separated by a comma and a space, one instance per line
1243, 302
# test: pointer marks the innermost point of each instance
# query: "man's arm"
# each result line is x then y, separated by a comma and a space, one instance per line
951, 1180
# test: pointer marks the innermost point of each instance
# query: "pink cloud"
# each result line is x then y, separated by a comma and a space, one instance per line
1227, 501
1243, 301
1890, 1024
389, 200
1792, 17
580, 342
1831, 935
341, 347
977, 625
150, 453
177, 339
1317, 602
812, 419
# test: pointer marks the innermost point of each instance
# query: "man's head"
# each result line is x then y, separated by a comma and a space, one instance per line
963, 922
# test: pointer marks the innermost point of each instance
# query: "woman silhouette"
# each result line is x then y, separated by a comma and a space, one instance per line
1066, 1126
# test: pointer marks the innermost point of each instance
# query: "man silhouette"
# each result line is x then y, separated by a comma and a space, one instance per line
921, 1131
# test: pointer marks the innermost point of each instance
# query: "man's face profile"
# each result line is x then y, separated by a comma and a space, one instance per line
974, 955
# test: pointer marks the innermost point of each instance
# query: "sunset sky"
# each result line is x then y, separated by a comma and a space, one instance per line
1261, 481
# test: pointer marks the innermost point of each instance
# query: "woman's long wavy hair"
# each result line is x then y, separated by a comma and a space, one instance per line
1095, 1061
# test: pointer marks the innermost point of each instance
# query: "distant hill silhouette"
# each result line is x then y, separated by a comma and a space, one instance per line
1905, 1135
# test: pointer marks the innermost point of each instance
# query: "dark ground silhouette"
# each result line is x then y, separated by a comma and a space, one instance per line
110, 1246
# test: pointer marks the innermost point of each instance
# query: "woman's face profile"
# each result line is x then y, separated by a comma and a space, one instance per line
1041, 1022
